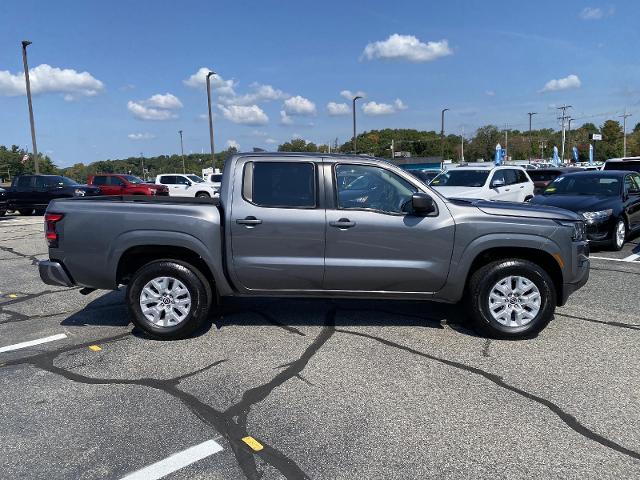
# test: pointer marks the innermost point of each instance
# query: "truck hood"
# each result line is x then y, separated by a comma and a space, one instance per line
515, 209
458, 192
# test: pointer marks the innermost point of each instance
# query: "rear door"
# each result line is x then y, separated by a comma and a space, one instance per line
277, 225
23, 191
632, 200
373, 244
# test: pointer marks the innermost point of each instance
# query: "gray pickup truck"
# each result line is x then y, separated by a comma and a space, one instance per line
304, 225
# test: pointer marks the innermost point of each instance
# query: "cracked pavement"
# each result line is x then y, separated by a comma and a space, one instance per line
331, 389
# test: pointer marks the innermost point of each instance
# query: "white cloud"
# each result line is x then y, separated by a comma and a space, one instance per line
596, 13
258, 133
335, 109
47, 79
349, 95
406, 47
285, 119
567, 83
233, 144
260, 93
271, 141
167, 101
299, 106
490, 93
156, 107
374, 108
218, 84
141, 136
244, 114
142, 112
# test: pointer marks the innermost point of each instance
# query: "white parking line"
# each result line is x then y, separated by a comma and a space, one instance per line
630, 259
31, 343
175, 462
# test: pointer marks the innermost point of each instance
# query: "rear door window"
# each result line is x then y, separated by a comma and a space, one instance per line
99, 180
280, 184
522, 177
633, 165
116, 181
511, 176
168, 180
24, 181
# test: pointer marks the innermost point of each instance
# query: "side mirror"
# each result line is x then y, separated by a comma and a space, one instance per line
497, 183
422, 204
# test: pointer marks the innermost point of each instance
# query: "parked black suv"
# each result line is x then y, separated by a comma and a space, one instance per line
3, 201
34, 192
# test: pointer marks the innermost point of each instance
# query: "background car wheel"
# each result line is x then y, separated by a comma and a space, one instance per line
168, 299
511, 299
618, 235
2, 213
25, 211
203, 195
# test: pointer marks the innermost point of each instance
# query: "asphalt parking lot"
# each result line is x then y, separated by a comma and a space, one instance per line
317, 389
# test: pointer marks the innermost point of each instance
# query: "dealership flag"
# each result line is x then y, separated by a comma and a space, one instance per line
498, 157
590, 153
575, 154
556, 159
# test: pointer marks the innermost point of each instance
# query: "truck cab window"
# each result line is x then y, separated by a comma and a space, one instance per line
372, 188
282, 184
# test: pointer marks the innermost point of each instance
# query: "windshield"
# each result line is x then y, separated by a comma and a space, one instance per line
632, 165
216, 177
593, 185
543, 175
195, 178
133, 179
66, 181
461, 178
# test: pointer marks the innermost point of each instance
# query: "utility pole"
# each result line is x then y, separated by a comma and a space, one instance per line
442, 134
563, 118
569, 119
25, 44
184, 170
506, 141
462, 146
142, 165
543, 143
213, 158
393, 150
355, 145
531, 114
624, 131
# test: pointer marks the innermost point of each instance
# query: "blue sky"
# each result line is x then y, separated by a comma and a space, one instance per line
112, 78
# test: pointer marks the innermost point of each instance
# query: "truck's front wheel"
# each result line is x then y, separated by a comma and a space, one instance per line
168, 299
511, 299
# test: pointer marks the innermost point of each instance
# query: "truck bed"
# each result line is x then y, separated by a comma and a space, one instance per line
165, 200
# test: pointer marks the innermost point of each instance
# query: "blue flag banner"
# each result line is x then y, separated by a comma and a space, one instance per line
498, 158
590, 153
575, 154
556, 158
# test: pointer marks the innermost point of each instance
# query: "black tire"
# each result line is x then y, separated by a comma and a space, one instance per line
202, 195
2, 213
484, 279
25, 211
613, 241
194, 281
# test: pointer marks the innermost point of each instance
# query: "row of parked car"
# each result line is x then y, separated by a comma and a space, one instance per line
29, 193
608, 199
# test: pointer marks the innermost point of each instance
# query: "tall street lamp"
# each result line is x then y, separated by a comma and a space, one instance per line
442, 133
531, 114
213, 158
353, 109
184, 170
25, 44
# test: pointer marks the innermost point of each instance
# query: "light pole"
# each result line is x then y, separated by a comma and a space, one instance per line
531, 114
442, 133
624, 132
142, 165
184, 170
563, 118
569, 135
25, 44
213, 158
353, 109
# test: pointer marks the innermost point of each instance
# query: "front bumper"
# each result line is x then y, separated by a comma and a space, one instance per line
53, 273
579, 274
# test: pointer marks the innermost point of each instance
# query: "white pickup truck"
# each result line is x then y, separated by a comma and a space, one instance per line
187, 185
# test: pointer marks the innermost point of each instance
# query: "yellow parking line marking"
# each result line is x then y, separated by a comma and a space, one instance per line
255, 445
94, 348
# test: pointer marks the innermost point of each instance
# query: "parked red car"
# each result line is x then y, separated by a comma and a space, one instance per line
117, 184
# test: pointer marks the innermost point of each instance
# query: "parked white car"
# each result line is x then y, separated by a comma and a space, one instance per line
186, 185
214, 179
505, 183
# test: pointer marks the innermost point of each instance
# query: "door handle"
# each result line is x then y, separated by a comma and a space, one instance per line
343, 223
522, 186
507, 189
248, 221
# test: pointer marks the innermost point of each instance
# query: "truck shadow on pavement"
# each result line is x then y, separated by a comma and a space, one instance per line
289, 313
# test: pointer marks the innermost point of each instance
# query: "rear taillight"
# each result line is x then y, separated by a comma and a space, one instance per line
50, 233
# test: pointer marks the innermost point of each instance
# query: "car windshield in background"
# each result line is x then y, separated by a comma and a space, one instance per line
424, 176
543, 175
195, 179
67, 182
133, 179
584, 185
631, 165
461, 178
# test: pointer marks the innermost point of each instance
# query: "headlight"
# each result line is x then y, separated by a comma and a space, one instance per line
595, 217
579, 233
79, 193
154, 191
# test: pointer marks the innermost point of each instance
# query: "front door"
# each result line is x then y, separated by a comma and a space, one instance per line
502, 193
632, 200
277, 226
373, 244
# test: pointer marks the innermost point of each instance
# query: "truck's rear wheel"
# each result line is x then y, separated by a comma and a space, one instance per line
203, 195
168, 299
511, 299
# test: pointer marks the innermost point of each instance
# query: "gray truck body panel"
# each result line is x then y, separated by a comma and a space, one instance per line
294, 251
